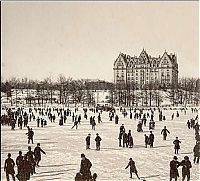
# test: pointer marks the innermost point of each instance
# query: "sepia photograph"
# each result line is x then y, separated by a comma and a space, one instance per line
100, 91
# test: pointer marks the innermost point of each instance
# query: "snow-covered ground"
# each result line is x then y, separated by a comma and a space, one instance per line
63, 147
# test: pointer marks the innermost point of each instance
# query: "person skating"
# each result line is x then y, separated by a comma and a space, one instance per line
196, 151
9, 167
188, 124
174, 164
85, 168
116, 119
122, 129
88, 141
37, 154
164, 132
125, 139
93, 123
98, 142
30, 157
146, 140
186, 165
75, 124
133, 169
19, 163
30, 135
27, 168
176, 143
120, 139
151, 139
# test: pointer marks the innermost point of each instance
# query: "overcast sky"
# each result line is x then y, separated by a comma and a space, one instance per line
83, 39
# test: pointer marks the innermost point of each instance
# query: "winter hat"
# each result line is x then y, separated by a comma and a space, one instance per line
82, 155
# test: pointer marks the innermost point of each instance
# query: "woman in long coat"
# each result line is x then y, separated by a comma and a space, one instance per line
174, 169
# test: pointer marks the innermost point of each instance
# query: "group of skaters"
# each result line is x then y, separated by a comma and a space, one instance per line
125, 138
25, 164
97, 140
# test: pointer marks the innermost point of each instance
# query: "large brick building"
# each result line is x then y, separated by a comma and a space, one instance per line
144, 70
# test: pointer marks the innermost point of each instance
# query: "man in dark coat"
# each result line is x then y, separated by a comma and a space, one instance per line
196, 151
120, 139
37, 154
116, 119
132, 168
186, 165
30, 157
174, 169
30, 135
176, 143
122, 129
19, 163
9, 167
85, 168
151, 139
164, 132
88, 141
98, 140
146, 140
125, 139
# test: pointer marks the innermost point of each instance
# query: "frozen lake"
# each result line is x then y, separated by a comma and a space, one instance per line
63, 147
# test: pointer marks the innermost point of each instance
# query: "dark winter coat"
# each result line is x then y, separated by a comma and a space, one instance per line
85, 168
165, 131
176, 144
174, 169
186, 167
196, 150
98, 140
87, 140
9, 166
132, 166
37, 152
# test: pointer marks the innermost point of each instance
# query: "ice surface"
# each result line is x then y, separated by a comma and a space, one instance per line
63, 147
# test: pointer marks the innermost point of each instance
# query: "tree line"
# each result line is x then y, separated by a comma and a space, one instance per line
66, 91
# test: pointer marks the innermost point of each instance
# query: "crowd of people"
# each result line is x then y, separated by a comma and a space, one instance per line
26, 163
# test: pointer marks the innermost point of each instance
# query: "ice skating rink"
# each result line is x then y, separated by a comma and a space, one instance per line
63, 147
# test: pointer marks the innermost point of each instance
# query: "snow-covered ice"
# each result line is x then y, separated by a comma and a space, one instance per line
63, 147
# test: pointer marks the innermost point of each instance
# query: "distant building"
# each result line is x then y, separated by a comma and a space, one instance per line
146, 69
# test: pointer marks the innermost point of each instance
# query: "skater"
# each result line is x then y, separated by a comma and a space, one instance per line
98, 140
174, 169
172, 116
196, 151
125, 139
146, 140
85, 168
139, 127
186, 165
30, 157
75, 124
88, 141
164, 132
116, 119
27, 168
38, 122
132, 168
19, 163
93, 123
99, 118
30, 135
176, 143
9, 167
120, 139
122, 129
151, 139
188, 124
37, 154
61, 121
